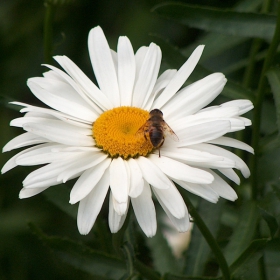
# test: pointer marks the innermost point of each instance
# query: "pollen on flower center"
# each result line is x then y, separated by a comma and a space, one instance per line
115, 132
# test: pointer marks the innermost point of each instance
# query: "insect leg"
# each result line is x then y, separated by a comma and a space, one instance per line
160, 146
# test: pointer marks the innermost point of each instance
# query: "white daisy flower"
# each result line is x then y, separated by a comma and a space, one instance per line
94, 134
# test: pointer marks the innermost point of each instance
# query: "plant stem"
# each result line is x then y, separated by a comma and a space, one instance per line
48, 32
118, 237
262, 270
118, 240
208, 237
249, 71
258, 105
255, 47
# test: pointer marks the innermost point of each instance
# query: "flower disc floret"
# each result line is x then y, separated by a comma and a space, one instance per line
115, 132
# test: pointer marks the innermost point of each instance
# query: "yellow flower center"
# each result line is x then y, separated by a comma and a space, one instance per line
115, 132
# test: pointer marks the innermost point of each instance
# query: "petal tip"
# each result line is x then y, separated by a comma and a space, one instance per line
73, 201
83, 230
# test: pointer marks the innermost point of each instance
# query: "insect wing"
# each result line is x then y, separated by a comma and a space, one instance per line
143, 129
167, 129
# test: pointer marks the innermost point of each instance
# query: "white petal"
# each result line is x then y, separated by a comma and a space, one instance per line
164, 79
200, 117
43, 183
236, 124
90, 206
40, 154
226, 141
195, 157
139, 58
38, 115
120, 207
103, 65
60, 132
172, 200
52, 114
204, 191
183, 224
19, 122
88, 181
161, 83
12, 162
85, 95
151, 94
53, 75
119, 180
76, 149
181, 171
152, 174
179, 79
240, 164
26, 193
144, 210
230, 173
56, 123
86, 161
217, 112
244, 105
226, 163
195, 96
247, 122
136, 178
115, 221
90, 89
49, 171
62, 97
147, 76
222, 188
126, 70
203, 132
115, 59
25, 139
128, 174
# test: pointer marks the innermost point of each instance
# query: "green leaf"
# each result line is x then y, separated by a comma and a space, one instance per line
242, 63
269, 143
218, 43
199, 252
268, 117
170, 276
270, 220
274, 81
129, 256
215, 45
247, 5
274, 245
276, 190
270, 201
269, 207
173, 57
249, 25
272, 258
59, 196
269, 166
164, 261
82, 257
248, 258
243, 232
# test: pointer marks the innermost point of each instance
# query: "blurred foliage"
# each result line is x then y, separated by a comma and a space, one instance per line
237, 35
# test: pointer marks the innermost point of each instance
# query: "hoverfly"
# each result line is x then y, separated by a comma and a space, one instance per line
156, 128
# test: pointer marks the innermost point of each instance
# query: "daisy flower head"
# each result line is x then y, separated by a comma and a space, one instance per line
108, 137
